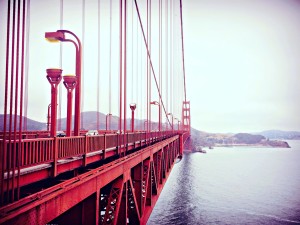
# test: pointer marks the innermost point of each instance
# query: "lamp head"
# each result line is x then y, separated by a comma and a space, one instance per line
55, 36
132, 106
70, 81
154, 103
54, 75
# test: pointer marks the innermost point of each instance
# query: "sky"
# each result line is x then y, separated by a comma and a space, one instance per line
242, 60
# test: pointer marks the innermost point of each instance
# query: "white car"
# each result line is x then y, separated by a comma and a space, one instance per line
92, 133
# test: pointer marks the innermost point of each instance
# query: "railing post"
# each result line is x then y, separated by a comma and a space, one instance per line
141, 138
86, 145
118, 144
55, 157
126, 143
2, 149
104, 150
134, 140
181, 144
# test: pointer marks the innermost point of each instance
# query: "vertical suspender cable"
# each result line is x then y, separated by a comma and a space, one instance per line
166, 56
132, 80
109, 97
120, 64
149, 57
20, 149
61, 16
171, 58
125, 62
11, 93
26, 64
98, 69
160, 53
3, 153
137, 67
14, 150
83, 51
147, 79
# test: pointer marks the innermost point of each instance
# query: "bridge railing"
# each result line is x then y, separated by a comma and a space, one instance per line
44, 150
31, 152
18, 155
70, 146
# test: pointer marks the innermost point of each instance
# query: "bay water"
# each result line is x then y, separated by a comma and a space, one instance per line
237, 185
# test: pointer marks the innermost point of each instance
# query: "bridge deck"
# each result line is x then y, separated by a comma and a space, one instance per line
37, 159
123, 191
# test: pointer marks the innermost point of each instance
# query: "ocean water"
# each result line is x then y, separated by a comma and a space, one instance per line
238, 185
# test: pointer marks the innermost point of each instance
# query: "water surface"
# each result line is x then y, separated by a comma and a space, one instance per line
239, 185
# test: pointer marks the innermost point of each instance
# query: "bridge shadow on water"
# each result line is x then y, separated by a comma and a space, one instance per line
177, 201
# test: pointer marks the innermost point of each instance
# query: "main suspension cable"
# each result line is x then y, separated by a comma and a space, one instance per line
183, 64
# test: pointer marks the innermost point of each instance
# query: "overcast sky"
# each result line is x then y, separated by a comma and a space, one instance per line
243, 64
242, 60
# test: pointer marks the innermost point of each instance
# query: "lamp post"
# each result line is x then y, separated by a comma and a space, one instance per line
54, 77
106, 119
159, 121
170, 114
132, 107
178, 122
59, 35
70, 82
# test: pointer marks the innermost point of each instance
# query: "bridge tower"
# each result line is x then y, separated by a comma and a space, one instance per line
186, 116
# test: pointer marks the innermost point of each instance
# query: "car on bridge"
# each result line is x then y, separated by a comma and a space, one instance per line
92, 133
60, 134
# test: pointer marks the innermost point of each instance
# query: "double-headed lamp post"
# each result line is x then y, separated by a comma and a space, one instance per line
54, 77
178, 123
159, 121
132, 107
170, 114
70, 82
59, 35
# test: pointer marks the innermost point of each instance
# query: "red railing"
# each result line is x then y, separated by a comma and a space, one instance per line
16, 155
70, 146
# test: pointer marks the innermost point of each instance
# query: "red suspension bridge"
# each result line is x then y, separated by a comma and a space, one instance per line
112, 174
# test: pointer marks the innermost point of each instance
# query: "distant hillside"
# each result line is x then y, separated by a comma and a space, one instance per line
279, 134
31, 124
89, 122
204, 139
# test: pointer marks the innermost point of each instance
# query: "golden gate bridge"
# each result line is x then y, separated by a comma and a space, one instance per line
113, 176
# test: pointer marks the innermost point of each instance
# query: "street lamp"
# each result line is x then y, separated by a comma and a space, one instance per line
132, 107
54, 77
170, 114
159, 122
57, 36
106, 119
70, 82
178, 122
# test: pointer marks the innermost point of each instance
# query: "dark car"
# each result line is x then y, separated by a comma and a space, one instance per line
60, 134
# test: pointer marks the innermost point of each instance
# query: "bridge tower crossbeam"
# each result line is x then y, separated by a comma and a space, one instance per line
186, 116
